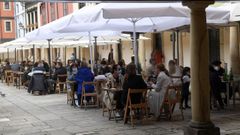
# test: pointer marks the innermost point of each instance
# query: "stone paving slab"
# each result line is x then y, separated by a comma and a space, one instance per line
50, 115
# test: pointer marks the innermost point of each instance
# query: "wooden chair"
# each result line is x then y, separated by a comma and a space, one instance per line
8, 77
61, 83
15, 78
141, 106
91, 95
71, 93
172, 97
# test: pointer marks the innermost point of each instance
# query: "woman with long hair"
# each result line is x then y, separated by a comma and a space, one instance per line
156, 97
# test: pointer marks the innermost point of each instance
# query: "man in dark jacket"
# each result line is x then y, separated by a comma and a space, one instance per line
216, 82
60, 70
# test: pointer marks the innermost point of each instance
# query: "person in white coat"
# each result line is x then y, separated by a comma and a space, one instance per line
175, 73
156, 97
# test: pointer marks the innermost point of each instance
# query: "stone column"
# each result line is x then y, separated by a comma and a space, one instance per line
43, 57
181, 52
200, 94
234, 50
81, 53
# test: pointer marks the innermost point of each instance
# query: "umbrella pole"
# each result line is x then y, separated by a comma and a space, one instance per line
177, 46
90, 49
135, 46
173, 44
15, 51
8, 54
22, 53
33, 53
49, 58
95, 49
65, 51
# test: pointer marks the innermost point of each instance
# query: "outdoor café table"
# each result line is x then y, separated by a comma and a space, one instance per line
227, 90
72, 84
19, 75
112, 110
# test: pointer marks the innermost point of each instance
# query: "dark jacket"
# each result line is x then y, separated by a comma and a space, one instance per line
133, 82
84, 75
104, 70
37, 83
46, 66
59, 71
215, 80
39, 69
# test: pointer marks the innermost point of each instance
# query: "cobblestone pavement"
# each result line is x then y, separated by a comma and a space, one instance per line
24, 114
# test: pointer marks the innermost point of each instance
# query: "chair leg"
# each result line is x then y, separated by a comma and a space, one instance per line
131, 115
103, 109
125, 113
81, 101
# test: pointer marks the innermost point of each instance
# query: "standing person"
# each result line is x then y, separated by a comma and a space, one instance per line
156, 98
122, 66
84, 74
216, 82
104, 68
185, 87
45, 65
97, 67
175, 71
138, 66
73, 57
110, 57
151, 75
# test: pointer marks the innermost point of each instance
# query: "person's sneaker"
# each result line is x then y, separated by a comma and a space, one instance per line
117, 114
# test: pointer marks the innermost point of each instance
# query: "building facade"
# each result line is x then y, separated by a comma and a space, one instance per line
20, 19
7, 23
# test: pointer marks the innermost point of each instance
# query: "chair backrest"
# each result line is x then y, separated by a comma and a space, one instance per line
140, 92
8, 72
173, 94
61, 78
90, 83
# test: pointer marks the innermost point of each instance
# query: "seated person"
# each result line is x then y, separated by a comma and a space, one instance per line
156, 98
26, 78
84, 74
71, 74
132, 81
15, 67
114, 80
38, 81
60, 70
37, 68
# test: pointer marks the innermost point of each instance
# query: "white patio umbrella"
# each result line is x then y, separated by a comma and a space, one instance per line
138, 17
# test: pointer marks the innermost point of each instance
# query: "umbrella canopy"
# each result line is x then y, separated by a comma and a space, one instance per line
138, 17
148, 16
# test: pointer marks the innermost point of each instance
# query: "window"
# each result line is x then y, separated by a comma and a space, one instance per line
44, 17
53, 17
81, 5
6, 6
8, 26
17, 8
65, 9
36, 17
